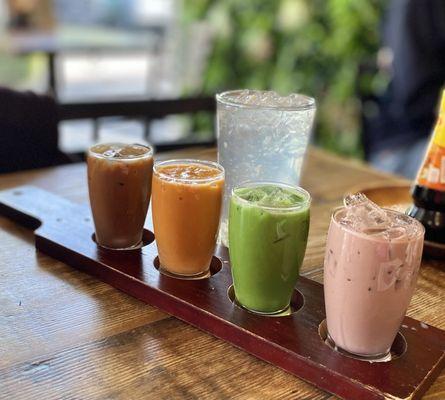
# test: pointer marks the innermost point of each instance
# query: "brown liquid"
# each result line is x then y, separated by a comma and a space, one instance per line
119, 183
186, 210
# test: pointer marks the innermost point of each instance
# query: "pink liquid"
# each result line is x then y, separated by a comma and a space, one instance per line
368, 284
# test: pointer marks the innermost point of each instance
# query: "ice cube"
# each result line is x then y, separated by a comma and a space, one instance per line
395, 232
264, 98
244, 97
364, 215
410, 226
347, 221
112, 153
353, 200
374, 231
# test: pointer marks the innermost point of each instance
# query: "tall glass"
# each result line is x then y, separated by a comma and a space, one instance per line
187, 197
261, 136
119, 183
369, 278
268, 230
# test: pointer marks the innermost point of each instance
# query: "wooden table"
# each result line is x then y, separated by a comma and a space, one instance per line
65, 335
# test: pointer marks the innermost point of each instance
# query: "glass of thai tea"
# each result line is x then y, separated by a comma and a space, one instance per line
119, 183
187, 199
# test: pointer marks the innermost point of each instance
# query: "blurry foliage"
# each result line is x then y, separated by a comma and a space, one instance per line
308, 46
27, 72
12, 69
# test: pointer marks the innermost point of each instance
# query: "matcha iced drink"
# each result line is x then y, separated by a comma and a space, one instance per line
268, 229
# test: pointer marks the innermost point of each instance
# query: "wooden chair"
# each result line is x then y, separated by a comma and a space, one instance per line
141, 109
28, 131
29, 124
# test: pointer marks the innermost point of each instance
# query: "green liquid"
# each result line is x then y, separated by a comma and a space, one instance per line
266, 245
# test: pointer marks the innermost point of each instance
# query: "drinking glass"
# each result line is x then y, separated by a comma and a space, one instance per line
187, 197
369, 279
261, 136
267, 242
119, 185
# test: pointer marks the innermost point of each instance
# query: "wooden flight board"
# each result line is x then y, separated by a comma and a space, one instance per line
290, 342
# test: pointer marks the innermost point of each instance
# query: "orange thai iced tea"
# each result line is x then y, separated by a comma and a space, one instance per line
187, 196
119, 183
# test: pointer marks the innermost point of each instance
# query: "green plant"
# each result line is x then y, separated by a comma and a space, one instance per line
310, 46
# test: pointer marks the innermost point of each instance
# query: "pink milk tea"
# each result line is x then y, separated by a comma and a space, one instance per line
370, 272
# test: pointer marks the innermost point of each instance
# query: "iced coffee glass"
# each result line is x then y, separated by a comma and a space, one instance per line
370, 272
119, 183
187, 198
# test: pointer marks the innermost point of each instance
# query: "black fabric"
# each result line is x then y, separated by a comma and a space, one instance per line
28, 131
415, 32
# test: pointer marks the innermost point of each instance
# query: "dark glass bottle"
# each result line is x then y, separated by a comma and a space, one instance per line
429, 209
429, 190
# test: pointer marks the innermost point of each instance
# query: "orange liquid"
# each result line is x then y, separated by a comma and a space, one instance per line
186, 216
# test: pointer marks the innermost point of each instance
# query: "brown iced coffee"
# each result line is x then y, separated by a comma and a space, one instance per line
119, 183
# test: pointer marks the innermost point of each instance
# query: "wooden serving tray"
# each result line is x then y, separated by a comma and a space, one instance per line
290, 342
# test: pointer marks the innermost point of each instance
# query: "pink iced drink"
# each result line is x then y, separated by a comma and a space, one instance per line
370, 271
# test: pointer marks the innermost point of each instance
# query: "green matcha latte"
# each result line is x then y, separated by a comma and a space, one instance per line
268, 229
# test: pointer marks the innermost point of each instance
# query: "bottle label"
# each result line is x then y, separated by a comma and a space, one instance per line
433, 175
442, 170
432, 171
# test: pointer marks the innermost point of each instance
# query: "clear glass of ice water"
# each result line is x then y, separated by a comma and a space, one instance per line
262, 136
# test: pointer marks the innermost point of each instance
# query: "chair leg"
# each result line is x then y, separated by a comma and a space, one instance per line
96, 127
147, 123
52, 78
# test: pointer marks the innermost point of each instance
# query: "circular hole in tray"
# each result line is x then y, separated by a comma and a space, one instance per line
17, 192
296, 304
147, 238
398, 348
215, 267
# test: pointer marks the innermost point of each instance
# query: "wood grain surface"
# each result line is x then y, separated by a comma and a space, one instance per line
64, 335
291, 343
